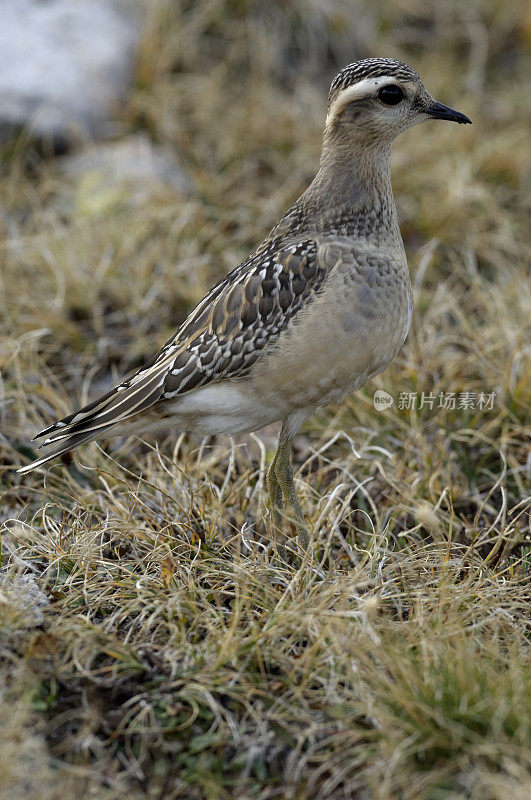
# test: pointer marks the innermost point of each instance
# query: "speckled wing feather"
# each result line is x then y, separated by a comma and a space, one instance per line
220, 340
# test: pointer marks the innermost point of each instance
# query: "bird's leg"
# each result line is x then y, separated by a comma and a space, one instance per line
285, 505
292, 510
275, 494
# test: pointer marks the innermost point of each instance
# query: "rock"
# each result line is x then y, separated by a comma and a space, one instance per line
22, 601
127, 170
64, 65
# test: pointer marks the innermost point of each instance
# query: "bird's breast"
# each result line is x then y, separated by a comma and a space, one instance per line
349, 333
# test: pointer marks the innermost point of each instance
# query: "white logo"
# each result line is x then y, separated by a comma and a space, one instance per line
382, 400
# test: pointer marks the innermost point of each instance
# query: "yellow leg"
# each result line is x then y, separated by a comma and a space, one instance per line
285, 507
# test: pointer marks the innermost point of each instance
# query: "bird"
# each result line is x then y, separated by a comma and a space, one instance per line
321, 306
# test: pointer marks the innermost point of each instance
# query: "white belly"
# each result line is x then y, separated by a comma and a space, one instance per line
228, 407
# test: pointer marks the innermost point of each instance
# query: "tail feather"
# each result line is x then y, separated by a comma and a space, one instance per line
115, 407
111, 413
96, 406
64, 447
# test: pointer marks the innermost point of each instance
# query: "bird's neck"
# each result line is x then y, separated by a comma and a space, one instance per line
351, 194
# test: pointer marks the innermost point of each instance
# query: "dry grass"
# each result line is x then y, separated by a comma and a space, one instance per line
177, 659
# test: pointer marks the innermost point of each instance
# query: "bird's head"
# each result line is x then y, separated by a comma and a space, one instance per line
374, 100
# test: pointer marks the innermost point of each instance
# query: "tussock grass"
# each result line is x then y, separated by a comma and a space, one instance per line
177, 658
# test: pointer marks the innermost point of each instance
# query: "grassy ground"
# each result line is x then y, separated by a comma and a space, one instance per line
176, 659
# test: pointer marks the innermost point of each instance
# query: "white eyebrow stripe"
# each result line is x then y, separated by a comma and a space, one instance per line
364, 88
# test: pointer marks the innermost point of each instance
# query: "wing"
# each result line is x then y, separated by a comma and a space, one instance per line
220, 340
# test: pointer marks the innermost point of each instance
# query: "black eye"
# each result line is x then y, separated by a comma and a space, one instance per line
391, 95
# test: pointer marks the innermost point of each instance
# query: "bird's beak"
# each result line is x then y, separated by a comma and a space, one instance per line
439, 111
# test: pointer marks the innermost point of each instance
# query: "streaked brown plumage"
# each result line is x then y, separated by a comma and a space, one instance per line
321, 306
220, 340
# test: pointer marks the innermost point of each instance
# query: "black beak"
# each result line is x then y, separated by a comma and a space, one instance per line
438, 111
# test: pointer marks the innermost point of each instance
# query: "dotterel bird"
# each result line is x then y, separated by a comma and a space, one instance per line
319, 308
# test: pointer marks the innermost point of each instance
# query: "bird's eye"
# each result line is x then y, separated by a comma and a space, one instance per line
391, 95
